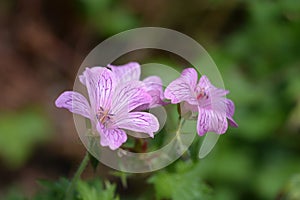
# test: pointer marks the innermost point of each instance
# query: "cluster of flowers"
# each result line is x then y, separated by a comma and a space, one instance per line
118, 100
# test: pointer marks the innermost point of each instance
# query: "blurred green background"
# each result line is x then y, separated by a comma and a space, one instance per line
255, 44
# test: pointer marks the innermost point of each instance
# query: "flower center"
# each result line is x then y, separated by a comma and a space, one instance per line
201, 93
103, 116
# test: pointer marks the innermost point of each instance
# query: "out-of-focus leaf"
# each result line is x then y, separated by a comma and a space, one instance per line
52, 190
95, 191
274, 173
227, 163
293, 188
19, 133
107, 18
184, 183
13, 194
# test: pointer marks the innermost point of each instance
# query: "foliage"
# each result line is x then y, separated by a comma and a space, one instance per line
183, 183
259, 62
92, 190
260, 66
106, 17
292, 190
20, 133
52, 190
95, 191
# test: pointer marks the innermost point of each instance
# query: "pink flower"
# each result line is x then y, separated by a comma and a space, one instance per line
213, 107
132, 72
110, 106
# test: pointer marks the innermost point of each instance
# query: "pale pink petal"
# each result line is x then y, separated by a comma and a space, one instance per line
211, 89
230, 111
106, 86
230, 107
154, 83
180, 90
139, 122
100, 84
204, 82
203, 122
95, 70
183, 88
75, 103
154, 88
113, 138
214, 98
218, 92
128, 72
191, 76
217, 104
91, 81
232, 122
156, 99
210, 121
218, 122
129, 96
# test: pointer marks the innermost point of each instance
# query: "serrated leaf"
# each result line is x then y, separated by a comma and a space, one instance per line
95, 191
185, 183
52, 190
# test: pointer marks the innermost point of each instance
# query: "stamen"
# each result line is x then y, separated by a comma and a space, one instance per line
202, 93
103, 116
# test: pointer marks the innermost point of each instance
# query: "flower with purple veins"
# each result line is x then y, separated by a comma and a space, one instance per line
213, 107
153, 84
110, 106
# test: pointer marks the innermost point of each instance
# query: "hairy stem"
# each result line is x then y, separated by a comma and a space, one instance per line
180, 125
82, 166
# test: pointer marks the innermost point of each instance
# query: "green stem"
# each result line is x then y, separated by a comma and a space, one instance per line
181, 123
82, 166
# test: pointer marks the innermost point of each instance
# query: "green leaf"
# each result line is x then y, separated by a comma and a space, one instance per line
20, 132
52, 190
184, 183
107, 18
13, 194
293, 188
95, 190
